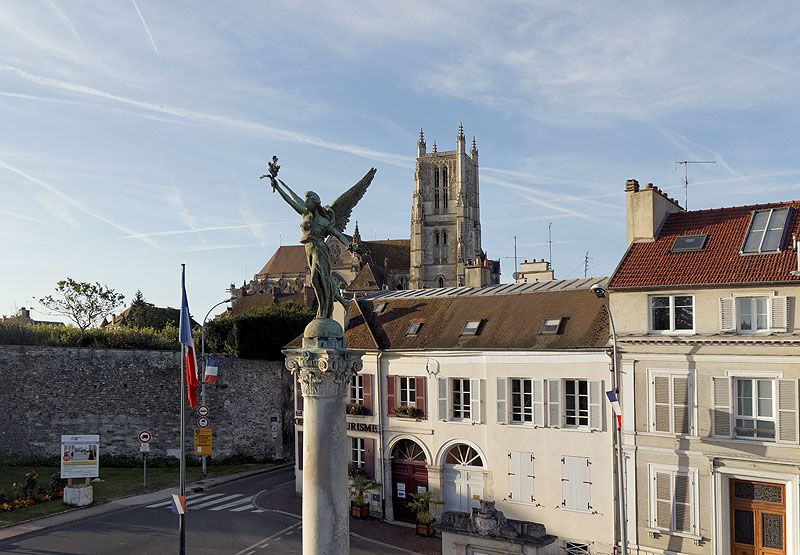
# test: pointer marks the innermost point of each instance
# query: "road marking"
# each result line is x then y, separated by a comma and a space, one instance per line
215, 501
262, 543
243, 508
233, 504
256, 511
167, 503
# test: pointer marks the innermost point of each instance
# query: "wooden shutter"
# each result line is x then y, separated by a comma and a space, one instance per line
567, 482
298, 397
391, 383
442, 398
553, 403
727, 314
662, 490
583, 484
681, 405
526, 477
596, 405
502, 407
538, 402
369, 457
367, 381
722, 407
514, 476
787, 411
300, 450
420, 387
475, 400
660, 406
778, 313
682, 500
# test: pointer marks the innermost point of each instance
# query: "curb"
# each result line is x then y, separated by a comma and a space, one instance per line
72, 515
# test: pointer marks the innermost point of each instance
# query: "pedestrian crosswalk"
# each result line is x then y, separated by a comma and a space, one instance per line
235, 502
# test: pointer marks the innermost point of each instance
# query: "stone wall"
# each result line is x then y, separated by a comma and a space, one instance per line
49, 391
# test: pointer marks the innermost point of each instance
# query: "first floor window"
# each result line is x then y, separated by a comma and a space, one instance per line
461, 399
673, 499
521, 400
358, 452
670, 313
755, 414
408, 391
576, 402
357, 389
751, 314
670, 402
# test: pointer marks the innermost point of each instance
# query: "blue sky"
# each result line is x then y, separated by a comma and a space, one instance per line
133, 132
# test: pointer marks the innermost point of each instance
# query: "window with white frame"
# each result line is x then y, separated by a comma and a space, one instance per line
461, 402
752, 314
576, 483
521, 400
358, 452
357, 389
673, 499
576, 403
670, 402
408, 391
755, 408
671, 313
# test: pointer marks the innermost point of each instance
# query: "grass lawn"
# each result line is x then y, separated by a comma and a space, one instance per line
117, 482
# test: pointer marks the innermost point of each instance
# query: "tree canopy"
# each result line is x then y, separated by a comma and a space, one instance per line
82, 302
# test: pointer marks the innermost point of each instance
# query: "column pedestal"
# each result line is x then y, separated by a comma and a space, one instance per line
324, 367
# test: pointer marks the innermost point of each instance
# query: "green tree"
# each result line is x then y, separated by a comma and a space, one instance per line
83, 303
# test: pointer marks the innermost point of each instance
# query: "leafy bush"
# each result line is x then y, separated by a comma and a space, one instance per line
67, 336
261, 333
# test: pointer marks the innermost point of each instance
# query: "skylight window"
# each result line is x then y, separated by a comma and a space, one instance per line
689, 243
413, 329
380, 308
551, 326
473, 327
766, 231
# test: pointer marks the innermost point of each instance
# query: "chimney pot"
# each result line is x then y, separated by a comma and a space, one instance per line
632, 185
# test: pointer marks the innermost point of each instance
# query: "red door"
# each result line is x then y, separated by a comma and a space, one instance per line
407, 477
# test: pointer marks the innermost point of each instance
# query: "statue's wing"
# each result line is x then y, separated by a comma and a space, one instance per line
343, 206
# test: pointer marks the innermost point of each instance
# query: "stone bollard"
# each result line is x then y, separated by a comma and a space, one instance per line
79, 496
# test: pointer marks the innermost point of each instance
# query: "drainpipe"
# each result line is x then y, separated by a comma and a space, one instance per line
379, 404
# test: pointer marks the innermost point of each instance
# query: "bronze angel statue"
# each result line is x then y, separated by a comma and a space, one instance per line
318, 223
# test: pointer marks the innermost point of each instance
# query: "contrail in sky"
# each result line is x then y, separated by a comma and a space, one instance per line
146, 28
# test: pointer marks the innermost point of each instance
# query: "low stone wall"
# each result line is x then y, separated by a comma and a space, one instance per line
49, 391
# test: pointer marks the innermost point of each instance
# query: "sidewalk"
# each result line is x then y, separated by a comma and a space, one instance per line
71, 515
285, 500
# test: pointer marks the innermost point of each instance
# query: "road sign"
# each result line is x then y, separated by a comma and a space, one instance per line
202, 410
144, 447
202, 442
202, 422
145, 436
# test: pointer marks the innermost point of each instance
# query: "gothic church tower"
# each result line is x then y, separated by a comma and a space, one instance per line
445, 215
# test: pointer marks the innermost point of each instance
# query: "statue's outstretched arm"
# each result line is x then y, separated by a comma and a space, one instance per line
289, 196
341, 237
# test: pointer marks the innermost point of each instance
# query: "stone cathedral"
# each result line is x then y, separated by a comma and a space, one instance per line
445, 219
444, 249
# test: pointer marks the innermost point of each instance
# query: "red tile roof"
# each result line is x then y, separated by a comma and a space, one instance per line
719, 262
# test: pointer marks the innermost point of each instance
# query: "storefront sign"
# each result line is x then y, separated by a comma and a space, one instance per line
362, 427
401, 491
80, 456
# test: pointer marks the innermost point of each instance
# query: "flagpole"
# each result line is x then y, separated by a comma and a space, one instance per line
181, 516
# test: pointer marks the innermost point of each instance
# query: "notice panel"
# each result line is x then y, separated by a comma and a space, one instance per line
80, 456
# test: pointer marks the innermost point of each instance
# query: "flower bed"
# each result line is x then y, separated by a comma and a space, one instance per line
29, 493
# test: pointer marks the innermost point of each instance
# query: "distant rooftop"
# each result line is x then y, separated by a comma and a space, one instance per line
491, 290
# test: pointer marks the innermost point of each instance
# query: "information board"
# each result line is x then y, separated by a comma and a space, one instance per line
80, 456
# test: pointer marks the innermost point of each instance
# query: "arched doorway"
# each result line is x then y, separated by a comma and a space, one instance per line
462, 478
409, 475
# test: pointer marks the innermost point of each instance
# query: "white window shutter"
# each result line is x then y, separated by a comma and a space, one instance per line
683, 503
680, 405
526, 477
662, 491
475, 400
442, 398
502, 395
722, 407
787, 411
583, 498
538, 402
514, 476
660, 404
778, 313
727, 314
553, 403
567, 482
596, 405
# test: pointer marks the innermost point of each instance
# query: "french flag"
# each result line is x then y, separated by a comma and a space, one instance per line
179, 504
186, 339
212, 367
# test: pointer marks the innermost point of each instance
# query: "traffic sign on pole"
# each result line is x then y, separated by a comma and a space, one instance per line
202, 422
145, 436
202, 410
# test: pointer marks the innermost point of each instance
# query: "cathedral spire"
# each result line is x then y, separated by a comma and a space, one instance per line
461, 143
460, 131
434, 146
421, 144
474, 151
356, 234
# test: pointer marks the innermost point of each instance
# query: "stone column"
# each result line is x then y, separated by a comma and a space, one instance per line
324, 367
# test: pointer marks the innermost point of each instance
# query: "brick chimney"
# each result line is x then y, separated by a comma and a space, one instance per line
647, 210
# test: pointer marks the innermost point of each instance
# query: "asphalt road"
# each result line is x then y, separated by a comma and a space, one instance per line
219, 520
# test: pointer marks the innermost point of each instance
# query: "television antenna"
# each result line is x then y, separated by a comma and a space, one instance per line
685, 164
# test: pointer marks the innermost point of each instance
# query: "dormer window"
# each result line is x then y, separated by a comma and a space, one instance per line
551, 326
413, 329
380, 308
767, 228
473, 327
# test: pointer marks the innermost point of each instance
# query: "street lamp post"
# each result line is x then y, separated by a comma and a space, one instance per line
205, 362
600, 290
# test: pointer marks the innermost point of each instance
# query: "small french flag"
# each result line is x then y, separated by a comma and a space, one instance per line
178, 504
212, 367
614, 400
